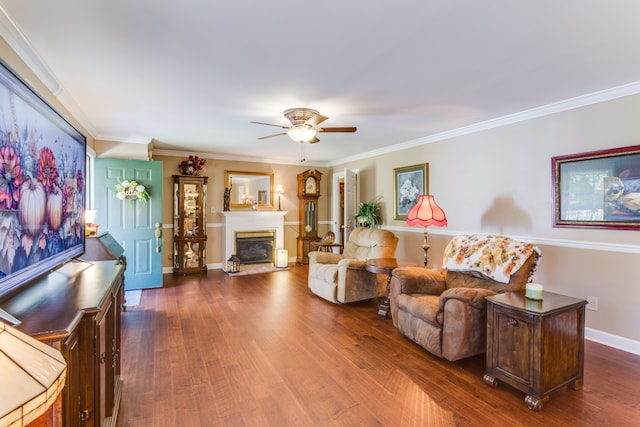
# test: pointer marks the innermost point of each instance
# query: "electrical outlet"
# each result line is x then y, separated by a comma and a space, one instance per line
592, 303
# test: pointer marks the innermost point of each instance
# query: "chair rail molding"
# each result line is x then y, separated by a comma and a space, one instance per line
563, 243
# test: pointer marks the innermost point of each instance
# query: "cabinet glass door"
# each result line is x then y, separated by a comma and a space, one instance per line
191, 255
191, 210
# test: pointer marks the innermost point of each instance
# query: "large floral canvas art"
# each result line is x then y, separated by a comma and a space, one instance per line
410, 183
42, 175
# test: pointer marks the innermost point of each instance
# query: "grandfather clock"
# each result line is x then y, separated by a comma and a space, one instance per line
308, 195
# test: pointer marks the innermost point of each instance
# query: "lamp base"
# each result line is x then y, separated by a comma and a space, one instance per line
425, 246
90, 229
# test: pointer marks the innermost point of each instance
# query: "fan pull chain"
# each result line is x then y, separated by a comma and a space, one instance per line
302, 151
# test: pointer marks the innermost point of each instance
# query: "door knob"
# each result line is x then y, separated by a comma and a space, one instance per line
158, 236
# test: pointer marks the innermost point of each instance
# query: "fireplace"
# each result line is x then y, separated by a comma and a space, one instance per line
248, 222
256, 247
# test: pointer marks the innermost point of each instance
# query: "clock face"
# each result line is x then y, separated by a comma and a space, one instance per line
311, 185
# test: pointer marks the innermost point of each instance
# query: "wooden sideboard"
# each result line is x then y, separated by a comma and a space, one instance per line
535, 346
77, 309
103, 247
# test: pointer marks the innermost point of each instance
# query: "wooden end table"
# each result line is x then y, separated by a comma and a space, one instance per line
326, 246
383, 266
535, 346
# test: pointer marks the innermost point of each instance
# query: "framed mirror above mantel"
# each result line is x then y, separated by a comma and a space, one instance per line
249, 187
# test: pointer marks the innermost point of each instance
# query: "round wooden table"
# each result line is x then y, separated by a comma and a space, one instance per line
326, 246
383, 266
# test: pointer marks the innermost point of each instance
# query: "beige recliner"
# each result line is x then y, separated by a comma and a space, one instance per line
445, 311
342, 278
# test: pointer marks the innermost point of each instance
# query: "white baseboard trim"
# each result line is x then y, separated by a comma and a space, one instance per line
610, 340
169, 270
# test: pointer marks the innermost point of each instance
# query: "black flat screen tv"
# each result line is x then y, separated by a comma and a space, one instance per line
42, 176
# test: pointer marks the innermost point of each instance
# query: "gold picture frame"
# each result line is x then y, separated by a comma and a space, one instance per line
597, 189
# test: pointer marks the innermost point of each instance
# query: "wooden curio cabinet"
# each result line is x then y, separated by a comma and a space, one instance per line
308, 195
190, 233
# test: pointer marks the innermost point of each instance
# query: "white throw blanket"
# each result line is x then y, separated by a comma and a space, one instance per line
496, 257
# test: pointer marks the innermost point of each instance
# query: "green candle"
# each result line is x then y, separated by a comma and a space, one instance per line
533, 291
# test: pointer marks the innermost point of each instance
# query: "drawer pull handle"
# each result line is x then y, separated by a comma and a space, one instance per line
511, 323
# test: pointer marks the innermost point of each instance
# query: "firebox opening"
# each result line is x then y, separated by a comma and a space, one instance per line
256, 247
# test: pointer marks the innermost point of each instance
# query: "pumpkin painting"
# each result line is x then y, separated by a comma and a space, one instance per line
31, 212
43, 166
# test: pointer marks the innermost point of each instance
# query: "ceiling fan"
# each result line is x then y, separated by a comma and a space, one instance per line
304, 125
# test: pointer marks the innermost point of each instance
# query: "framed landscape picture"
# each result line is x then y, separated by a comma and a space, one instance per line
410, 182
599, 189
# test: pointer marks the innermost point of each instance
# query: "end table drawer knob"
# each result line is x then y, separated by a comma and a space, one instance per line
512, 323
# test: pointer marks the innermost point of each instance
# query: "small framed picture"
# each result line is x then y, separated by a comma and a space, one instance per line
410, 183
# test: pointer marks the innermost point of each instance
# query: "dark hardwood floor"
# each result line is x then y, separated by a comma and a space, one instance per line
261, 350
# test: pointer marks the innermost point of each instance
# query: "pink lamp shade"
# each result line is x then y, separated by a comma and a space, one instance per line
426, 212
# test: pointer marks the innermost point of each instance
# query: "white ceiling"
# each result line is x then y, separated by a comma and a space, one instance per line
191, 75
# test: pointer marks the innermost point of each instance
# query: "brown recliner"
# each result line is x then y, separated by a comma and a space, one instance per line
342, 278
445, 311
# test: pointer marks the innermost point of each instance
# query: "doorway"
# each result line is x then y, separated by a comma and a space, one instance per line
344, 203
132, 223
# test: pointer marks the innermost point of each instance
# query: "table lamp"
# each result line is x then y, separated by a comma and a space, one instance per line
33, 375
90, 228
426, 212
279, 191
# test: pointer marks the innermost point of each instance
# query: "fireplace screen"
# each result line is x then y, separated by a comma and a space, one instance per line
255, 247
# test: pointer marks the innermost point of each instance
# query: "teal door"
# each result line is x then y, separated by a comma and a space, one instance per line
132, 223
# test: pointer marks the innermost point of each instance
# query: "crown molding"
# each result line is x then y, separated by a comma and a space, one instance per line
233, 157
19, 43
14, 37
133, 140
545, 110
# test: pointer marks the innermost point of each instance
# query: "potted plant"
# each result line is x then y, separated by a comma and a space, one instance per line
369, 214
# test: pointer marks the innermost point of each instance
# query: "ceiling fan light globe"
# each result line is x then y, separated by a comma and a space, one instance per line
302, 133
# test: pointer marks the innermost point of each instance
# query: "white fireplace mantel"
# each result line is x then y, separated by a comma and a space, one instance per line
234, 221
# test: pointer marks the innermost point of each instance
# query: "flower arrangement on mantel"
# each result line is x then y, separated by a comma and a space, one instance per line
192, 165
131, 190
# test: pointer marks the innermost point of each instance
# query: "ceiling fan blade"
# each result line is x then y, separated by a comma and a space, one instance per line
270, 124
338, 129
314, 140
316, 120
271, 136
